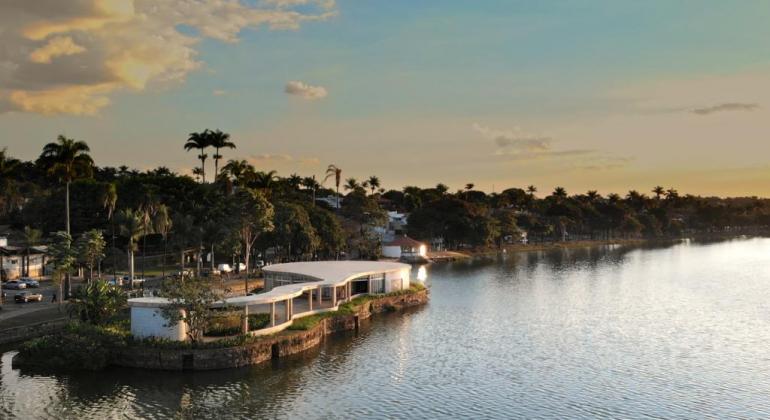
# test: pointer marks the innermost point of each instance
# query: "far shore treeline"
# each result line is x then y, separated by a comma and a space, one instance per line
238, 211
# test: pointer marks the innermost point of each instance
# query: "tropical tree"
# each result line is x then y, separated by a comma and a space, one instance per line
132, 227
373, 182
332, 171
219, 140
531, 190
351, 184
265, 180
658, 191
559, 192
190, 302
8, 192
109, 202
64, 257
199, 141
240, 172
254, 216
161, 224
31, 238
311, 184
90, 249
293, 230
67, 160
96, 302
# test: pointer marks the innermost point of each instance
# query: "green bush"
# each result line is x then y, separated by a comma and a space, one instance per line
229, 323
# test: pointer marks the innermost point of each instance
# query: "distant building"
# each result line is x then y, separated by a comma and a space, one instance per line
17, 261
406, 248
331, 201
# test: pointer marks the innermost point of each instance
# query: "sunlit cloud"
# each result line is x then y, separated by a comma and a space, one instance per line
219, 92
68, 57
305, 90
267, 159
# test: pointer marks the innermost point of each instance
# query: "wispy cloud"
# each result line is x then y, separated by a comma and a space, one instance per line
726, 107
305, 90
219, 92
281, 159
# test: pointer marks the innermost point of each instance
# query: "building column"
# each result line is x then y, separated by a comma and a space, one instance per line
287, 309
310, 299
272, 314
334, 296
320, 296
245, 321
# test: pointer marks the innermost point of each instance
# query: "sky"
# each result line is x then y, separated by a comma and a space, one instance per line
608, 95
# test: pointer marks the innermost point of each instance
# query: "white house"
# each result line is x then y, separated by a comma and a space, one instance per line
404, 247
16, 261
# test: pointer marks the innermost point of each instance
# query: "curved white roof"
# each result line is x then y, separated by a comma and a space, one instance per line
328, 273
335, 271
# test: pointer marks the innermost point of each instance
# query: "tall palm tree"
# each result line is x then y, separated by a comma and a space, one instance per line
658, 191
68, 160
592, 195
334, 171
199, 141
373, 182
265, 180
531, 190
109, 202
132, 227
147, 211
559, 192
219, 140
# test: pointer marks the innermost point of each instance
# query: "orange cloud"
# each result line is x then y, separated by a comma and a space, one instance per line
57, 46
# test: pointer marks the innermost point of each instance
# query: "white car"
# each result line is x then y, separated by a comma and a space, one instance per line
14, 285
224, 268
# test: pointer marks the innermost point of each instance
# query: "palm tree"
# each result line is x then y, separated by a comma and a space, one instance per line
132, 227
161, 223
199, 141
109, 202
592, 195
265, 180
294, 181
559, 192
352, 184
219, 140
239, 172
68, 160
31, 238
532, 190
334, 171
658, 191
310, 183
373, 182
197, 172
441, 188
147, 212
8, 191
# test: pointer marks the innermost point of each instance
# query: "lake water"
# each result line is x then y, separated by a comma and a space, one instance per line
671, 331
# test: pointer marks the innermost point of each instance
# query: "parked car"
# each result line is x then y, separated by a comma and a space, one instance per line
259, 264
25, 297
224, 268
14, 285
29, 282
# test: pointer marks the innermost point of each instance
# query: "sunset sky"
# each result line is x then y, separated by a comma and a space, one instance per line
609, 95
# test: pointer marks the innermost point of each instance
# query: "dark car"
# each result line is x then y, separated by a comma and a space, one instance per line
25, 297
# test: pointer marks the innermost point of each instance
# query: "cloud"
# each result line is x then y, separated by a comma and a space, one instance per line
515, 142
281, 159
219, 92
726, 107
304, 90
56, 46
69, 57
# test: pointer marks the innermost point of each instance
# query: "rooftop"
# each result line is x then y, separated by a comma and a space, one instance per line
404, 241
335, 271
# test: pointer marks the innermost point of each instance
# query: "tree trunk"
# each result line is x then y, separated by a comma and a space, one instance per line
131, 265
163, 260
67, 279
246, 276
212, 257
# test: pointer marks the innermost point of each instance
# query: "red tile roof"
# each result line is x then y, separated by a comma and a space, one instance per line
404, 241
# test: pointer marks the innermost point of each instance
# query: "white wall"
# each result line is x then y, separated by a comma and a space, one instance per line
397, 280
148, 322
391, 251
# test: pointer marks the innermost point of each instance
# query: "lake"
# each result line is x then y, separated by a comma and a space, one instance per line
635, 332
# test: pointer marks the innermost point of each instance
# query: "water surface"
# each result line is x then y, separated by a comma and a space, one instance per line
671, 331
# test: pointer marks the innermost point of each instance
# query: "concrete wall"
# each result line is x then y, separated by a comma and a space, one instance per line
149, 322
391, 251
397, 280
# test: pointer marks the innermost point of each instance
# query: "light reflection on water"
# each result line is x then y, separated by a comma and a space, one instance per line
658, 331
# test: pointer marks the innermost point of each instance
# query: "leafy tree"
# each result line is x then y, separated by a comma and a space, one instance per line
9, 194
90, 248
64, 256
97, 302
253, 216
293, 231
330, 232
189, 302
31, 238
132, 227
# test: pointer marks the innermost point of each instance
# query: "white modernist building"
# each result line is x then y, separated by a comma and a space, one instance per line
308, 287
406, 248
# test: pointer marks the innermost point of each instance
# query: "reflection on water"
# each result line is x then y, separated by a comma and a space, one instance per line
659, 331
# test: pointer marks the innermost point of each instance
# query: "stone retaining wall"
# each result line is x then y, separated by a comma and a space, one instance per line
27, 332
266, 348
